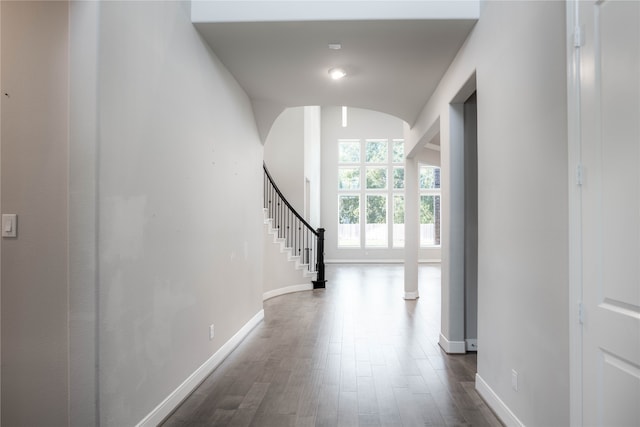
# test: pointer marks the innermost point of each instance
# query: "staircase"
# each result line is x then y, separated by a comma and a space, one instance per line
294, 251
284, 271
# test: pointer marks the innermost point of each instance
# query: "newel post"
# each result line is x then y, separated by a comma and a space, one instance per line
320, 282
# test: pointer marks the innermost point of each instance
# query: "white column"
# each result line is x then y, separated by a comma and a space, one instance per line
411, 229
452, 229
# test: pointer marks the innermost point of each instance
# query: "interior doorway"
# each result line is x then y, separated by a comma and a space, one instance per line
459, 166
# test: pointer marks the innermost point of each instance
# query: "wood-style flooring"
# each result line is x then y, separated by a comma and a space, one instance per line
353, 354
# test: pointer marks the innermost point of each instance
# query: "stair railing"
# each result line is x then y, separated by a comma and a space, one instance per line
305, 242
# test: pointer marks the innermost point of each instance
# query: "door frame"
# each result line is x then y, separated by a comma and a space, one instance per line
1, 94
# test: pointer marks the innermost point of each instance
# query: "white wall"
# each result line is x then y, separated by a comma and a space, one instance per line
362, 124
522, 202
292, 155
312, 162
180, 190
280, 274
35, 46
83, 213
284, 155
152, 158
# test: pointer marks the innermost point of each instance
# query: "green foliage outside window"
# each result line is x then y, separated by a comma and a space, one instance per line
398, 209
376, 178
376, 209
349, 178
398, 178
427, 215
349, 210
398, 151
376, 151
428, 177
349, 152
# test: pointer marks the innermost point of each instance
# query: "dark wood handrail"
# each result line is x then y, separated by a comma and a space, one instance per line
286, 202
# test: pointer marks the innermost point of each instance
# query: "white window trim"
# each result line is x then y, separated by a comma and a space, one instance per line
363, 191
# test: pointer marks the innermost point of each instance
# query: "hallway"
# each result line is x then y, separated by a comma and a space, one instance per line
354, 354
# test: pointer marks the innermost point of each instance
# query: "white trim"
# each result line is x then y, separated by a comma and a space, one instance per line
377, 261
411, 295
364, 10
431, 146
452, 347
496, 404
575, 216
286, 290
364, 261
471, 344
176, 397
0, 244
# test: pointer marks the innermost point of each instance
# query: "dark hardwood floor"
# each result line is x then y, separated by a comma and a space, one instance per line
354, 354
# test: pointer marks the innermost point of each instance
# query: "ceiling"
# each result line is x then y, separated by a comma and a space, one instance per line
392, 66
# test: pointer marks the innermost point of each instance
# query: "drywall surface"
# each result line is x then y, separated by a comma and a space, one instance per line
284, 155
180, 215
312, 164
361, 124
522, 201
83, 248
427, 156
279, 270
35, 46
325, 10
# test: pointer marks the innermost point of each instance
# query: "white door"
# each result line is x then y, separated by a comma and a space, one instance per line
610, 141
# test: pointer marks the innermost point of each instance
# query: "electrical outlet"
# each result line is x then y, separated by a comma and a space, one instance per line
211, 331
514, 380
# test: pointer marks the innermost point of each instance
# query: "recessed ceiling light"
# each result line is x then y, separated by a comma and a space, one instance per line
335, 46
337, 73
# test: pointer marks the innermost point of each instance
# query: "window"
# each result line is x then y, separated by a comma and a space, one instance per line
376, 233
376, 178
376, 150
398, 221
371, 193
398, 178
398, 151
348, 178
349, 151
349, 220
429, 183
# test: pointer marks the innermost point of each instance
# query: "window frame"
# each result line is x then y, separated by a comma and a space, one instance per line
389, 192
435, 192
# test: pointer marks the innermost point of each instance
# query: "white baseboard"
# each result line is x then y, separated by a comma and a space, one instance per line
452, 347
496, 404
411, 295
377, 261
286, 290
472, 344
171, 402
364, 261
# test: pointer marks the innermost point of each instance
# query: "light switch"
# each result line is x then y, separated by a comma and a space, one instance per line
9, 225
